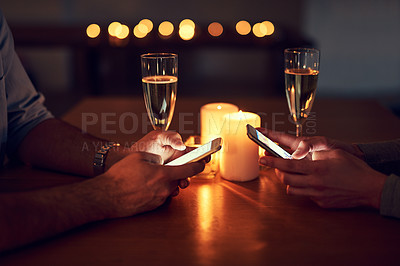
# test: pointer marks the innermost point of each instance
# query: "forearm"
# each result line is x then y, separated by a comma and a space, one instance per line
30, 216
56, 145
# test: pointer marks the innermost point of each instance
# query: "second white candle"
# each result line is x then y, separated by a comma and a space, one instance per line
239, 155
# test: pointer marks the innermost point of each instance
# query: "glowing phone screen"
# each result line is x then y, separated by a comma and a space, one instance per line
273, 146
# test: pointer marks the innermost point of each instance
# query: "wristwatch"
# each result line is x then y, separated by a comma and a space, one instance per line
100, 157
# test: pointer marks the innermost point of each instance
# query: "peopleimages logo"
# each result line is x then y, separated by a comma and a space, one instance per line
311, 124
129, 123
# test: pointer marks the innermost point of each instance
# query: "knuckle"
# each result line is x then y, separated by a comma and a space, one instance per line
303, 143
323, 140
175, 134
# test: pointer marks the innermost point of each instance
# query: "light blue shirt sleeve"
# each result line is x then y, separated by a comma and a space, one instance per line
21, 105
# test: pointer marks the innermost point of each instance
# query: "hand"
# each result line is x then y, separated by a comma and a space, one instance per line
335, 179
133, 185
167, 144
303, 147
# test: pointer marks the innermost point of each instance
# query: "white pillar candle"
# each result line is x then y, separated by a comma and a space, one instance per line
212, 119
239, 155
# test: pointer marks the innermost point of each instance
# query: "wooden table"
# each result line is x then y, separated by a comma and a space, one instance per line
217, 222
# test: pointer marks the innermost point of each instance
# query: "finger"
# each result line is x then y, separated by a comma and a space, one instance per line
280, 137
309, 145
300, 191
172, 139
183, 183
292, 179
301, 151
184, 171
175, 192
291, 166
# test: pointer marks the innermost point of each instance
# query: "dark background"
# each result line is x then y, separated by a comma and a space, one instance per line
359, 43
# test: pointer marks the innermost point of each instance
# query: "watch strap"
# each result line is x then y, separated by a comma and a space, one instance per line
101, 156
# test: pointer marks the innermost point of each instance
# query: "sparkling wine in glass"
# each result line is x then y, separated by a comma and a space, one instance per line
160, 82
301, 77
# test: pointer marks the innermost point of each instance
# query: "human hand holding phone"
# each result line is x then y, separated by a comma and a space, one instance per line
198, 153
266, 143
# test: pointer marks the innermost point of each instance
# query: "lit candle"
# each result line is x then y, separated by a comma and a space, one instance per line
239, 155
212, 119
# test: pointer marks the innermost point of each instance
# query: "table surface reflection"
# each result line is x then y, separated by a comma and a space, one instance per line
214, 221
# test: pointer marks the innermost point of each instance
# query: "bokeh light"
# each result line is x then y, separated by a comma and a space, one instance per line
186, 32
148, 23
93, 30
259, 30
215, 29
139, 33
187, 29
166, 28
143, 28
270, 27
243, 27
188, 22
124, 32
114, 28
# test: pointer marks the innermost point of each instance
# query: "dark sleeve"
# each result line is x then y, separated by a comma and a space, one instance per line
390, 199
383, 156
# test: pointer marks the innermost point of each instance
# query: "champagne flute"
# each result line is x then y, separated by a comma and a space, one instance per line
160, 81
301, 77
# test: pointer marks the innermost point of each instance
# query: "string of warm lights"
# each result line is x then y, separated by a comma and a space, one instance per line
186, 29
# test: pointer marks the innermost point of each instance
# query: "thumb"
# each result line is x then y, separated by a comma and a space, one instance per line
309, 145
302, 150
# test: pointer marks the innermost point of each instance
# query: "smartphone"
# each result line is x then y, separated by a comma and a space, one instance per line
198, 153
266, 143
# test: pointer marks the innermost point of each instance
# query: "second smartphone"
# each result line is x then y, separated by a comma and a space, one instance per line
266, 143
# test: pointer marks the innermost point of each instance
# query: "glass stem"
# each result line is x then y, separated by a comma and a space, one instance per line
299, 130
